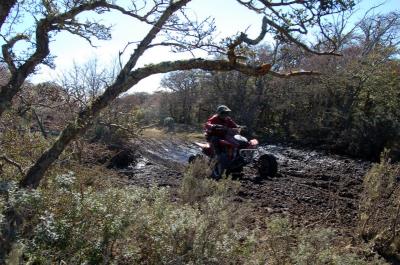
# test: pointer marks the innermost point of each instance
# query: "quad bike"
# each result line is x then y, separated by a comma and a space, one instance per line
239, 152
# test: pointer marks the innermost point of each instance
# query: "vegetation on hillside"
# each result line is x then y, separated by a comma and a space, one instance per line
62, 201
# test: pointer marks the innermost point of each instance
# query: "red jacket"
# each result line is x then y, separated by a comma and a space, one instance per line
210, 126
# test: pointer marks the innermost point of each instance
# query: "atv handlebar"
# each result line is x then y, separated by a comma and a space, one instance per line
228, 130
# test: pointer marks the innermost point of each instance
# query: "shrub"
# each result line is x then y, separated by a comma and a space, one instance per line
287, 244
196, 184
380, 208
77, 224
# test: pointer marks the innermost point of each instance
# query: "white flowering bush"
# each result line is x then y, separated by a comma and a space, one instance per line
81, 226
69, 222
185, 234
131, 225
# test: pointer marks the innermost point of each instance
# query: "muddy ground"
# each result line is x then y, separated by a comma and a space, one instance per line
312, 187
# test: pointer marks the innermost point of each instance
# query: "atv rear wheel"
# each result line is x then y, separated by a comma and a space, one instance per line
267, 166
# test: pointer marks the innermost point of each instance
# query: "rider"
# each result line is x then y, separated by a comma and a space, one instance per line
217, 128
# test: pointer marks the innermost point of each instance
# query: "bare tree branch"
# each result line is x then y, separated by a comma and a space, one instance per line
143, 45
291, 38
244, 39
43, 29
8, 58
338, 28
250, 4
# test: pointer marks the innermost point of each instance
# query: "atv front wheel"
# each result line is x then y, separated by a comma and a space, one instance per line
236, 173
267, 166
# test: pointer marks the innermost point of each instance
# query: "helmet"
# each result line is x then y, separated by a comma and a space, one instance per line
222, 108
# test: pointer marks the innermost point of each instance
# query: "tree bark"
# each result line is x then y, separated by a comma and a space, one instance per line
5, 8
19, 75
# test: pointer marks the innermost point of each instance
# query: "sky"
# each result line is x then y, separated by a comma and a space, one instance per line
229, 16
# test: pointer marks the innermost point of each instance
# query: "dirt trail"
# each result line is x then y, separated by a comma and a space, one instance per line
312, 187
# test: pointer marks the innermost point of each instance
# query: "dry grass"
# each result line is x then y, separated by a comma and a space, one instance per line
380, 209
154, 133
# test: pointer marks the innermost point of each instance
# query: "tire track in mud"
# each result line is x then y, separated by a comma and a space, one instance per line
312, 187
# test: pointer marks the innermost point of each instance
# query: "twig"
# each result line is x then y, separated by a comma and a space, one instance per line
293, 39
12, 162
